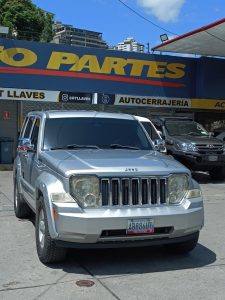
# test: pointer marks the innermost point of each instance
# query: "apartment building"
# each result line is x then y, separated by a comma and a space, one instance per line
129, 44
67, 34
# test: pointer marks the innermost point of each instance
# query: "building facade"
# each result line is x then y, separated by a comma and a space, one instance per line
62, 77
67, 34
129, 44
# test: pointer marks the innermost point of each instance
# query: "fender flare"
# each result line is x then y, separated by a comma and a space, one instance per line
46, 184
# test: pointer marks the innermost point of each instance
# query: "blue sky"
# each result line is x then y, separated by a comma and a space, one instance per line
117, 22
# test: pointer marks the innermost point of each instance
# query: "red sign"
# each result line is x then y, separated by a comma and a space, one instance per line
6, 115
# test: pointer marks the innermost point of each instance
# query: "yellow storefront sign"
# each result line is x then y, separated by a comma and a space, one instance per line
79, 63
215, 104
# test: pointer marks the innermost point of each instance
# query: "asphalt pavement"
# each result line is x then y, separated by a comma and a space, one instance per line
143, 273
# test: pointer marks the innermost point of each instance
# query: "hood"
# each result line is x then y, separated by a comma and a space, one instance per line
111, 162
195, 139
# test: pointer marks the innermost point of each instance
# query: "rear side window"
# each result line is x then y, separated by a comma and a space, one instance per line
150, 130
28, 127
23, 126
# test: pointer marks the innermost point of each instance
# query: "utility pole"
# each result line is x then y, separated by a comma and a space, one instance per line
148, 48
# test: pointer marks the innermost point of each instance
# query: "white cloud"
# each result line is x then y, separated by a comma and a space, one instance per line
164, 10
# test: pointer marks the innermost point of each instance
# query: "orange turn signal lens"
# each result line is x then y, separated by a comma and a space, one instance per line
54, 213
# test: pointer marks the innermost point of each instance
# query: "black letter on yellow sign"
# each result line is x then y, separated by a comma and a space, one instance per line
220, 104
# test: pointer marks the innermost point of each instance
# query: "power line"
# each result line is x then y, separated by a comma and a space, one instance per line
216, 37
139, 15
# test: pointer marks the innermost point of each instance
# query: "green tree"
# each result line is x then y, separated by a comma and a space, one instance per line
26, 21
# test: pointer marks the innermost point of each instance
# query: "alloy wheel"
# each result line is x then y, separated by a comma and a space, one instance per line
41, 229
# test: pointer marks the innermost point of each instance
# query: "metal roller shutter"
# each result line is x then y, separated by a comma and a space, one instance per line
141, 111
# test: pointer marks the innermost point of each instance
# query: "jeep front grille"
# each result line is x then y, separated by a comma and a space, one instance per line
134, 191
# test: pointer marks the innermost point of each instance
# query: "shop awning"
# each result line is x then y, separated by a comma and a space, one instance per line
208, 41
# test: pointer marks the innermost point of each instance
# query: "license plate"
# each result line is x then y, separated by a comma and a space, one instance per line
212, 157
137, 226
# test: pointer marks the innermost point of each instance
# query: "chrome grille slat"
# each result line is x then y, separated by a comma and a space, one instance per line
140, 192
145, 191
153, 191
125, 187
130, 193
149, 192
105, 185
137, 191
120, 193
163, 190
166, 191
110, 193
115, 191
158, 188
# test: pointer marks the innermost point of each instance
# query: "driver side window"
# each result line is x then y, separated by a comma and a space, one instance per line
34, 134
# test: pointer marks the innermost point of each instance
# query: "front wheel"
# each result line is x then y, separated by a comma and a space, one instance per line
217, 173
183, 247
48, 251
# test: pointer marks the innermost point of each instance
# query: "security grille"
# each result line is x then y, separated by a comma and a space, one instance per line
28, 106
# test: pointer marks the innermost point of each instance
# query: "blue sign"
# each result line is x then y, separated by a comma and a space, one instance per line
45, 66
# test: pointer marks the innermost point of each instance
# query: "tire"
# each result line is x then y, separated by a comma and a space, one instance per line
21, 209
183, 247
217, 173
48, 251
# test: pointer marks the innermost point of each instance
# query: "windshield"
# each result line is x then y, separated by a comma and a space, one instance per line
185, 128
94, 133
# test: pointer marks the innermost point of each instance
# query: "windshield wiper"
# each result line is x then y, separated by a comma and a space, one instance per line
193, 133
118, 146
76, 146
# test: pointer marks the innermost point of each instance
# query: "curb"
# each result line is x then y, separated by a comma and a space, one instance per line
6, 167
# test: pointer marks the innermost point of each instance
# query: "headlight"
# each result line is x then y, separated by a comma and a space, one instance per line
187, 147
85, 189
177, 187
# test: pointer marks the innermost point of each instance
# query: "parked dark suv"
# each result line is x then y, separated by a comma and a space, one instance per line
191, 144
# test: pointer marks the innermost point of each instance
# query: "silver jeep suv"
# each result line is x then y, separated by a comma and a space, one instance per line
94, 180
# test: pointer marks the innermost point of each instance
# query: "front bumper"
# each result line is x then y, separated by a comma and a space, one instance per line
128, 243
200, 162
107, 226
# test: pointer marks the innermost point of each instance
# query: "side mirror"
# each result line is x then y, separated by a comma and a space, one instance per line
169, 142
159, 133
160, 145
25, 145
